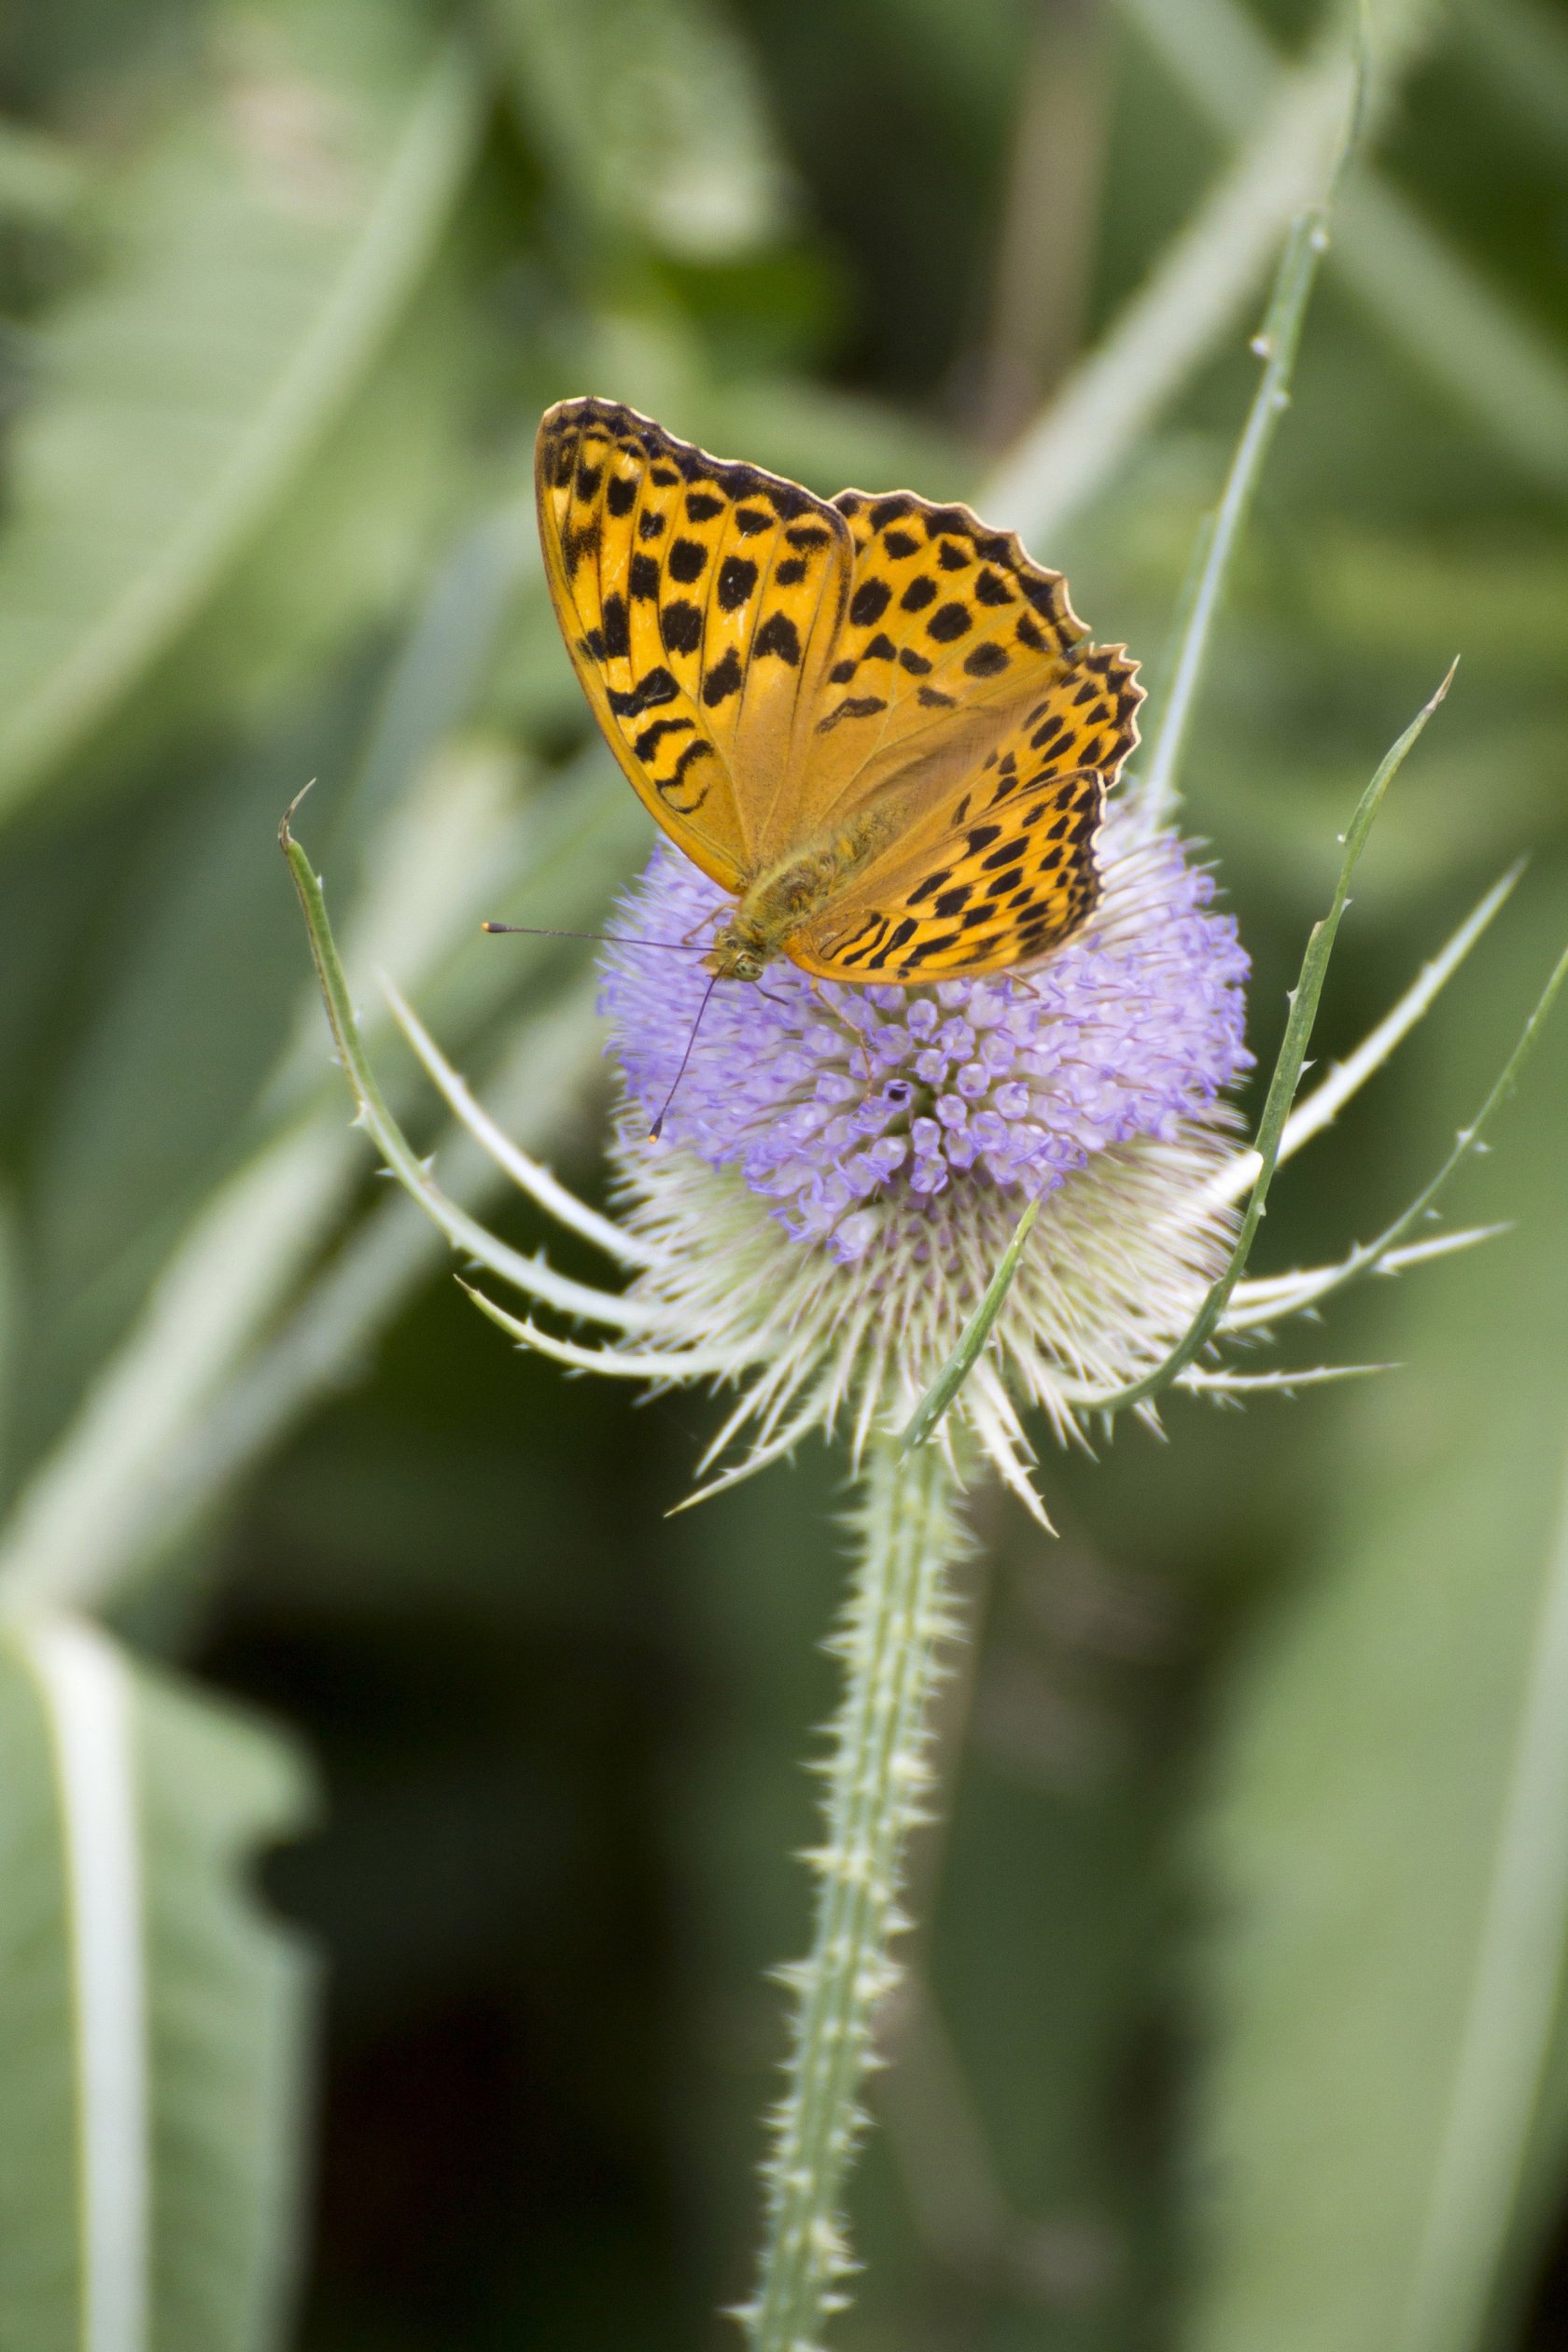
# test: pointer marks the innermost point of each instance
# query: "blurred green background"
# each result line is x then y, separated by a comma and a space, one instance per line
1235, 2012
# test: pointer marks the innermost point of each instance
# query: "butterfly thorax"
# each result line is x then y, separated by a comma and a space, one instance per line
786, 895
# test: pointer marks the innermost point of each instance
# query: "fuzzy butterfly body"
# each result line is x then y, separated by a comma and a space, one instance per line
874, 721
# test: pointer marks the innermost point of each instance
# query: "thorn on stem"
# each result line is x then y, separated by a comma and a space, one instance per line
285, 835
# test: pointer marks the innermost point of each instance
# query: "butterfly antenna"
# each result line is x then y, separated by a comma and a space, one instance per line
609, 939
657, 1129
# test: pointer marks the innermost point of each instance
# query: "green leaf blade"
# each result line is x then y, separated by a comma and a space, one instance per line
151, 2018
244, 293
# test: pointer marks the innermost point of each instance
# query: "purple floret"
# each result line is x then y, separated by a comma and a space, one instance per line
828, 1097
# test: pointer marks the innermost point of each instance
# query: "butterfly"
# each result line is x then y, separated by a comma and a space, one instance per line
873, 721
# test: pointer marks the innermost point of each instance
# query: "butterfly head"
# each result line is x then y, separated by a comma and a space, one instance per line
738, 952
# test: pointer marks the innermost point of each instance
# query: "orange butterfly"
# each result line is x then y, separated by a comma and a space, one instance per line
874, 721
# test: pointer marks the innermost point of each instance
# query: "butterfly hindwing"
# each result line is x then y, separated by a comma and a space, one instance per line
1003, 869
986, 897
700, 601
950, 634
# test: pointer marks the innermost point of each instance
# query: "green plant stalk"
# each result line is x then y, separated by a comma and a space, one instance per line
972, 1338
1367, 1257
533, 1276
897, 1616
1305, 999
1276, 345
1278, 342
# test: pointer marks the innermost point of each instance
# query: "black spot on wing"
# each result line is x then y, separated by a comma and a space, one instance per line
869, 602
680, 792
930, 945
648, 742
723, 680
778, 635
576, 544
737, 576
680, 625
898, 937
788, 502
659, 686
617, 634
621, 497
687, 559
852, 707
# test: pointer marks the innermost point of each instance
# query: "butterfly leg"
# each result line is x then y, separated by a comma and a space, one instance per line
857, 1036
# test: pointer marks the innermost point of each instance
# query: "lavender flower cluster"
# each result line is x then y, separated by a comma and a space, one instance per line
828, 1098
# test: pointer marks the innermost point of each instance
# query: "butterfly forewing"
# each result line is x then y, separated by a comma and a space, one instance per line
700, 602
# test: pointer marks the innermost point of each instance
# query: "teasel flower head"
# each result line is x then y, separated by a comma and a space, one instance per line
840, 1169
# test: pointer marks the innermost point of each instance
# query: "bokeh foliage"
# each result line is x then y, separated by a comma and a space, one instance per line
1235, 2018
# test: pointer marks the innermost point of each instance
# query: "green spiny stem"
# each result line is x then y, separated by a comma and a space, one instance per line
896, 1618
